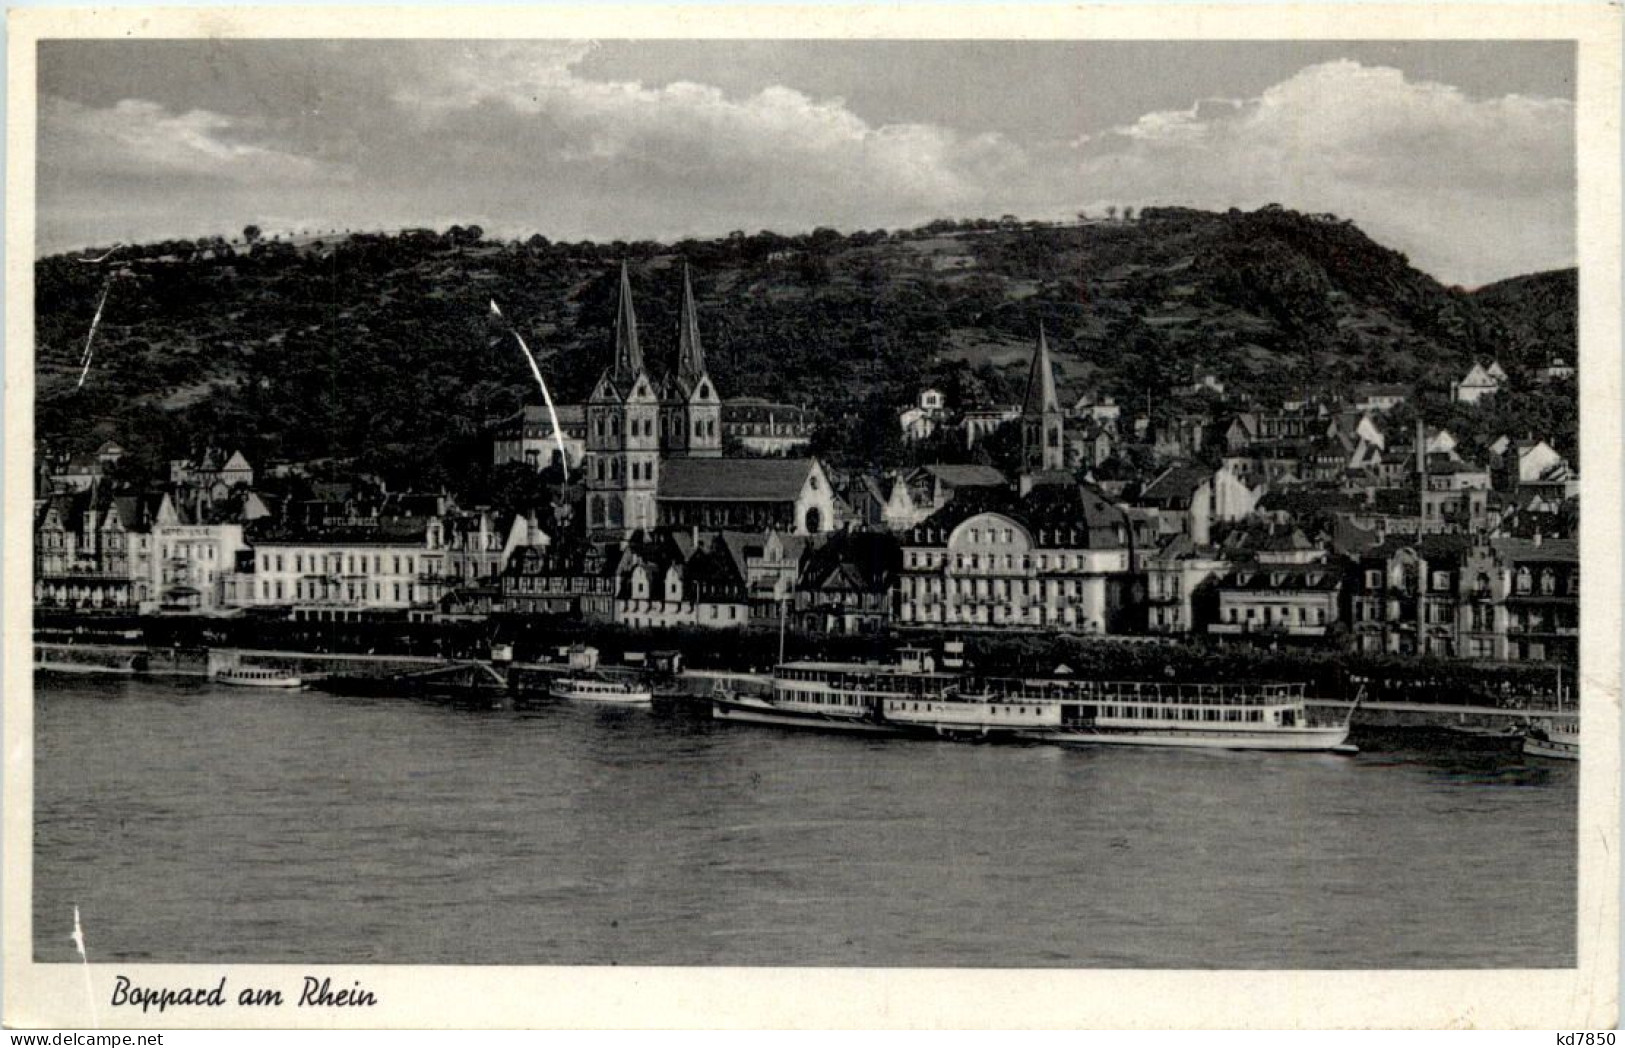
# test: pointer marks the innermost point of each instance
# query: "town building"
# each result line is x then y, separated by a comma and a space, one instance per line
920, 419
1557, 370
792, 495
762, 427
979, 423
1057, 558
1103, 410
1191, 498
197, 553
1478, 383
382, 570
846, 584
478, 544
934, 486
1380, 397
531, 438
213, 470
1280, 600
569, 577
1455, 496
1523, 600
93, 551
1180, 596
1405, 596
1532, 465
771, 563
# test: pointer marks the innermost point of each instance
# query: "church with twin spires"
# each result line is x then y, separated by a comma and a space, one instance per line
654, 448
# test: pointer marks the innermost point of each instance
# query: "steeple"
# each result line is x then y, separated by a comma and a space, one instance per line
690, 353
628, 357
1041, 399
1043, 437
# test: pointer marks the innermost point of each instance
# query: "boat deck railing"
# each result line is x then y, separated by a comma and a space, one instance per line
1181, 693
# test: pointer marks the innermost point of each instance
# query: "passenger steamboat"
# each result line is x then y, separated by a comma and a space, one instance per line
258, 677
583, 687
915, 698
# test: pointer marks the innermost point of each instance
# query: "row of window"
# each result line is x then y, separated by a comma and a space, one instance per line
1169, 713
338, 563
1523, 582
1039, 615
607, 468
1278, 615
1000, 562
554, 584
997, 588
270, 590
609, 425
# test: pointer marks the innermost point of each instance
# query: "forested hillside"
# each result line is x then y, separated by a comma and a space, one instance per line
383, 349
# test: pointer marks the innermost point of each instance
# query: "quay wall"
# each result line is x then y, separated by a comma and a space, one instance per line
1457, 718
204, 662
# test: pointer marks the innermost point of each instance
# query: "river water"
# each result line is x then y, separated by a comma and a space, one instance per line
193, 822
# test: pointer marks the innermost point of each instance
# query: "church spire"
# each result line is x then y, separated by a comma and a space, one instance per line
690, 353
628, 358
1041, 399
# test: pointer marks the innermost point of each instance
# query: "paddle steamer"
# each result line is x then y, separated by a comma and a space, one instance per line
915, 698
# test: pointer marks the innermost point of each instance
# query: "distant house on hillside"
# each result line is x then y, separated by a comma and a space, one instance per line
1380, 397
1535, 465
1104, 410
212, 470
1204, 382
1478, 383
978, 423
1557, 370
920, 419
766, 428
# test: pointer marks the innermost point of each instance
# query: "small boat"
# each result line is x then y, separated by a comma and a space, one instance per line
1561, 744
258, 677
1554, 740
592, 688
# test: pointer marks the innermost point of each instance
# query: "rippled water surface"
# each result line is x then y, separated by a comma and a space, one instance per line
195, 822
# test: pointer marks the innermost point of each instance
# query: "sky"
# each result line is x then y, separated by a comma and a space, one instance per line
1460, 154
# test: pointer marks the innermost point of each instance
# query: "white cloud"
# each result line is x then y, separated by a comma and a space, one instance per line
141, 139
514, 137
780, 154
1472, 189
